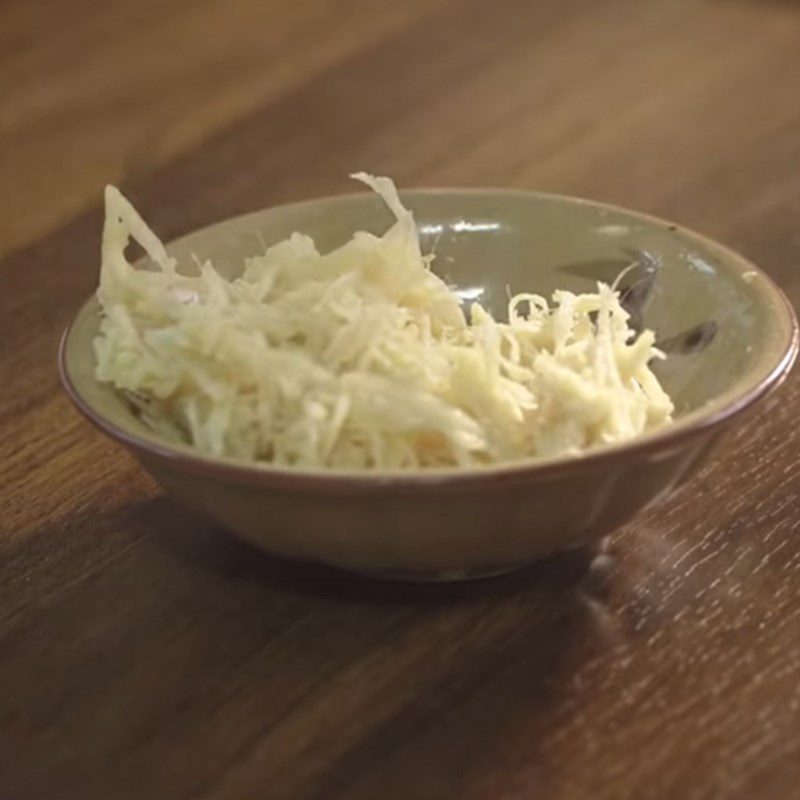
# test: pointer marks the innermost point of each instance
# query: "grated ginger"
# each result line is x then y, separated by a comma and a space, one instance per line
362, 358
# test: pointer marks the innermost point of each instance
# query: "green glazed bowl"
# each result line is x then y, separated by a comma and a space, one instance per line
730, 336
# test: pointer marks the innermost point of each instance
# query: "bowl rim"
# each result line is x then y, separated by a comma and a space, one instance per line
186, 458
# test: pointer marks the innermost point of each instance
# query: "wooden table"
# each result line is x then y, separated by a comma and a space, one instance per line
144, 654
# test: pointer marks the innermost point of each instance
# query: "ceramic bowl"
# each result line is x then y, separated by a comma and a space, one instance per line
729, 333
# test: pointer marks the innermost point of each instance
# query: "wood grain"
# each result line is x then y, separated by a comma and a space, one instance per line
144, 654
129, 85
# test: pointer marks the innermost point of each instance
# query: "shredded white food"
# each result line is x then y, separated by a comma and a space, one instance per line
362, 358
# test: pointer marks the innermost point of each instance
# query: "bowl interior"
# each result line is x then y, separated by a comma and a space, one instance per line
726, 327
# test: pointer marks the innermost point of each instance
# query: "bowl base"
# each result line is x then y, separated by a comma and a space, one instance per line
586, 551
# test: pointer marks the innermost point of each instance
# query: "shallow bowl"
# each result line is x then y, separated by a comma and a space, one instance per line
730, 336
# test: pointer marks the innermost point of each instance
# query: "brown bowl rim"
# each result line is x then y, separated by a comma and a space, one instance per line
342, 481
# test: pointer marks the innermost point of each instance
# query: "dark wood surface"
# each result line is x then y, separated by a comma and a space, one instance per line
144, 654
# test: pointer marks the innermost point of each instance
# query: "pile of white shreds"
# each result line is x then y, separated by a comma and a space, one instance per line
363, 358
